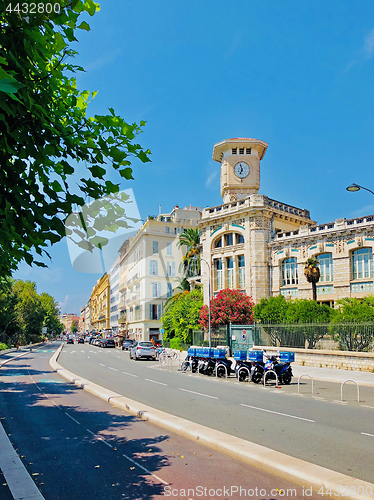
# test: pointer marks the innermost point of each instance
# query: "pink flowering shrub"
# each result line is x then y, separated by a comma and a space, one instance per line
229, 306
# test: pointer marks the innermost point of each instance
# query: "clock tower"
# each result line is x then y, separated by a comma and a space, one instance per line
240, 166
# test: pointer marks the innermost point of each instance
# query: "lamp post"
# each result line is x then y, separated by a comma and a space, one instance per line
355, 187
210, 330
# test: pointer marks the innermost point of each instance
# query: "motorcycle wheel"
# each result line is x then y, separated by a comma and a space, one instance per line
286, 378
242, 375
221, 371
256, 377
209, 371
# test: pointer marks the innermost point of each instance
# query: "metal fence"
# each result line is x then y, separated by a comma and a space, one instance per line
219, 337
340, 336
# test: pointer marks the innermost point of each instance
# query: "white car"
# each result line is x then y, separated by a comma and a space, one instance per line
141, 350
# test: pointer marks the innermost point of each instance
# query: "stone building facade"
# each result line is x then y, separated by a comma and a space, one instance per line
259, 245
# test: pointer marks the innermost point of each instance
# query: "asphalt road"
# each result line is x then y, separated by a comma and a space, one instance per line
318, 429
75, 446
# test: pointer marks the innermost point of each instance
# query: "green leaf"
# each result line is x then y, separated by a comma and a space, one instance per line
84, 26
126, 173
10, 85
97, 171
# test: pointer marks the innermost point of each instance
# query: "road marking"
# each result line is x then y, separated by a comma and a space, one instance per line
143, 468
278, 413
105, 442
102, 365
365, 406
88, 430
88, 357
198, 393
76, 421
339, 402
114, 369
319, 397
131, 374
155, 381
366, 434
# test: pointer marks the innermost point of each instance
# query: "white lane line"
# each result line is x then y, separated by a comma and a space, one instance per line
105, 442
131, 374
339, 402
88, 430
88, 357
277, 413
366, 434
76, 421
114, 369
102, 365
198, 393
366, 406
155, 381
146, 470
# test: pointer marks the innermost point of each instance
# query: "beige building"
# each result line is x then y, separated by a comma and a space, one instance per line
99, 304
149, 264
260, 245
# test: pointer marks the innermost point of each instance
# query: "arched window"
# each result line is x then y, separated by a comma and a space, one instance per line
218, 242
239, 238
229, 240
325, 266
289, 272
362, 263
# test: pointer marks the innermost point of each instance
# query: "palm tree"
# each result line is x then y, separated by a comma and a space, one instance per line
312, 274
191, 260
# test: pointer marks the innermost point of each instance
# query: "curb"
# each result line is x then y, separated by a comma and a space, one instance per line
279, 464
20, 356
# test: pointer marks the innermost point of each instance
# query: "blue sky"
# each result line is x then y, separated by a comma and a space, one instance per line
296, 75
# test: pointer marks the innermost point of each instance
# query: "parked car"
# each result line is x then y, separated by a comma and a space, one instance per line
70, 341
127, 344
107, 343
81, 340
143, 350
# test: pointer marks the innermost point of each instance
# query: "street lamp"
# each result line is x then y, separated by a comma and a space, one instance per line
355, 187
210, 330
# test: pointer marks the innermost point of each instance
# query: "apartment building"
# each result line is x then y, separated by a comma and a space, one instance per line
149, 268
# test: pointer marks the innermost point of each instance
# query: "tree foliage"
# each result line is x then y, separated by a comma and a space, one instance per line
191, 259
74, 326
229, 306
45, 132
23, 313
312, 274
181, 315
348, 326
279, 316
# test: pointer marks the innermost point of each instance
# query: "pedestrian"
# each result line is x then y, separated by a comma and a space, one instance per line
16, 345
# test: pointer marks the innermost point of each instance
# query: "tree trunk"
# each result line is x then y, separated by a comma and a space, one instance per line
314, 289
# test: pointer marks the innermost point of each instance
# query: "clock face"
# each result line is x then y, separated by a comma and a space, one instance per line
241, 170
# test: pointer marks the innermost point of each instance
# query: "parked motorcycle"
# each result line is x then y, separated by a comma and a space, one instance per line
281, 367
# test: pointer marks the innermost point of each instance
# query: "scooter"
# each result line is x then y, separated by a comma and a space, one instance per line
283, 370
223, 366
243, 369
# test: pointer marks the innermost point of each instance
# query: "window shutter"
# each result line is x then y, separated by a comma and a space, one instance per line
159, 290
150, 311
173, 268
158, 311
156, 268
